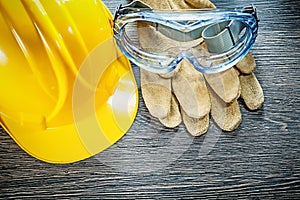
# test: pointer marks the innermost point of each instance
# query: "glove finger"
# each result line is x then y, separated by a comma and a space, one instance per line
251, 91
156, 92
190, 89
238, 73
247, 65
200, 3
178, 4
158, 4
173, 118
226, 115
226, 84
195, 126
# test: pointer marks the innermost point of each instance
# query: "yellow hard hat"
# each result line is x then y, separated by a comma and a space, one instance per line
67, 92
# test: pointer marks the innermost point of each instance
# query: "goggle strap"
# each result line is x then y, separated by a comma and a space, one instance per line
177, 35
221, 37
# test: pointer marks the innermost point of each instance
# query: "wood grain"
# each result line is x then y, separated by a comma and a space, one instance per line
261, 159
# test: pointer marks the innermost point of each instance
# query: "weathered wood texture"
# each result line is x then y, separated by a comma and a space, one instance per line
261, 159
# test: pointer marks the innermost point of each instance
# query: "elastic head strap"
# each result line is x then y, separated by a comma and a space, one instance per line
221, 37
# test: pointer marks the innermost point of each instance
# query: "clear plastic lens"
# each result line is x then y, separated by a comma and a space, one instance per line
145, 37
159, 43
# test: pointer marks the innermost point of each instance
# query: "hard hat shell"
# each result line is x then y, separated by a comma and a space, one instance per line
67, 93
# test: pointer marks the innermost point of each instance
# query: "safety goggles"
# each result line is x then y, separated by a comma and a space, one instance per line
213, 40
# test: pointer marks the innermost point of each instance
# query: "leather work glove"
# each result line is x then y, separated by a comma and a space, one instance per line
188, 95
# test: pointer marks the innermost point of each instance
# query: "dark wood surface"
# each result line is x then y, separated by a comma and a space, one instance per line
261, 159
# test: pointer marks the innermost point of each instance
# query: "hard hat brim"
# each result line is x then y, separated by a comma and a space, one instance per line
83, 138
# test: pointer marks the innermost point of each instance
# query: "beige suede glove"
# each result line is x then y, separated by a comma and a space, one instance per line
188, 95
